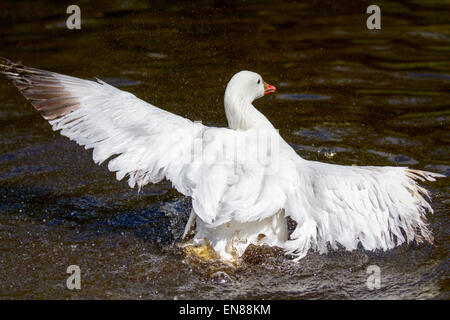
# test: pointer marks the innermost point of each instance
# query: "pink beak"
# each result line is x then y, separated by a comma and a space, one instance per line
268, 88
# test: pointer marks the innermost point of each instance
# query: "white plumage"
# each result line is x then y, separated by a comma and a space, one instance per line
244, 180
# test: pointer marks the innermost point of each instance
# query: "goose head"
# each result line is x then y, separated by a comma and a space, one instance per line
243, 88
248, 86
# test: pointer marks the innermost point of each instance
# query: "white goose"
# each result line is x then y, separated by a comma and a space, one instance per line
244, 180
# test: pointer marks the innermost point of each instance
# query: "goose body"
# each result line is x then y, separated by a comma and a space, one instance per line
244, 180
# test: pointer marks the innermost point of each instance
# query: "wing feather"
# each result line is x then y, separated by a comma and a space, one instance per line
379, 207
141, 141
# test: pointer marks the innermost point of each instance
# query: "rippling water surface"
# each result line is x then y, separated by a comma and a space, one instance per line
345, 95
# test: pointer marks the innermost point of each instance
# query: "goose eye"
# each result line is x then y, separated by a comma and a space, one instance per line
259, 81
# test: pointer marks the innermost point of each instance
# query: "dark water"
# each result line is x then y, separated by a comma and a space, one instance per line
346, 95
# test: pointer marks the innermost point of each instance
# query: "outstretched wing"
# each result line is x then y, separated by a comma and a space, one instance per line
140, 140
379, 207
148, 144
